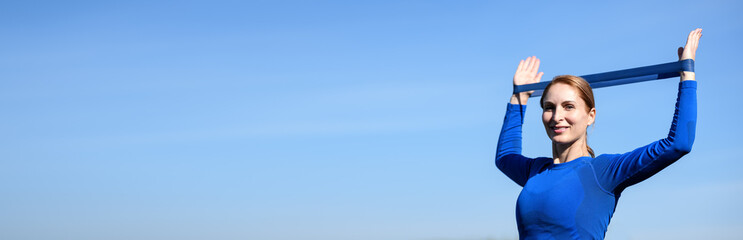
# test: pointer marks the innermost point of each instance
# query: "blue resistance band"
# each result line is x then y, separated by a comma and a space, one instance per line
614, 78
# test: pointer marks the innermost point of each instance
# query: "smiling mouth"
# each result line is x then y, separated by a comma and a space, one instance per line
559, 129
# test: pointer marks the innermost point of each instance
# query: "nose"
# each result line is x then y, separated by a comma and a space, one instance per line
558, 114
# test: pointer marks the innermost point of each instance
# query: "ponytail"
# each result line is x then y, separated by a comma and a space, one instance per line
590, 150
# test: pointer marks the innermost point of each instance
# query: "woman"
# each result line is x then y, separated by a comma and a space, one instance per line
573, 194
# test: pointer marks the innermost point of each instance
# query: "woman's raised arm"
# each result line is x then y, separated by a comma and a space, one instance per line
618, 171
508, 156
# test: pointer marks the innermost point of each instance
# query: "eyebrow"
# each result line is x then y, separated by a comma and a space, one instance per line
568, 101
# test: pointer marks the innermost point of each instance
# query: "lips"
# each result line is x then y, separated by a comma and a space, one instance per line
559, 129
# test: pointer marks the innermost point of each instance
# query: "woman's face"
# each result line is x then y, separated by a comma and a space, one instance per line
565, 114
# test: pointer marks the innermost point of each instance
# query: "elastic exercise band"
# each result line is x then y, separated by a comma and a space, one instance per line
632, 75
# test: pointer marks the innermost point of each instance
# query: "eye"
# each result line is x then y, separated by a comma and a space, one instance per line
548, 107
570, 107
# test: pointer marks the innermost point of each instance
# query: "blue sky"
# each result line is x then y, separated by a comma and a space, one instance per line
336, 119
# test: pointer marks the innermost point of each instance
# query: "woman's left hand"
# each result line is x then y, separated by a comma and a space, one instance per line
689, 51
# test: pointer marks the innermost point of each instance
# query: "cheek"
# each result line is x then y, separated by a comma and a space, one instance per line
577, 118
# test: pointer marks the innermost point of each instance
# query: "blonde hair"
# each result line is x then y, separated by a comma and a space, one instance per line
585, 90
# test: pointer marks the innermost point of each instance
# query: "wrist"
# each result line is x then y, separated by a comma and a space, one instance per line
688, 76
520, 98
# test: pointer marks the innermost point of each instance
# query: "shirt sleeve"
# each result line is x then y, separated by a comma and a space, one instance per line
508, 156
618, 171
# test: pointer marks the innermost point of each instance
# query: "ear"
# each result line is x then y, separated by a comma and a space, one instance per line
591, 116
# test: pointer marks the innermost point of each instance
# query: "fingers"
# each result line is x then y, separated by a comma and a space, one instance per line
535, 66
527, 71
521, 66
524, 65
531, 64
539, 77
688, 39
697, 36
693, 40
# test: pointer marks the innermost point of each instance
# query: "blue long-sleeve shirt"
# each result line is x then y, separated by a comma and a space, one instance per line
576, 199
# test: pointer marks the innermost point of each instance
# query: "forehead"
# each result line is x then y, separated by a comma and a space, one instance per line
561, 92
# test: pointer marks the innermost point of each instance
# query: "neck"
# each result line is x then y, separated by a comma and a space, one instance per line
562, 153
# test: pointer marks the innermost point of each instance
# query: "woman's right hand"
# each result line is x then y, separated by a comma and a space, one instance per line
526, 73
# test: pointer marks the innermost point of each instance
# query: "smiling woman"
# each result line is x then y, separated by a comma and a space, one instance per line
573, 194
568, 109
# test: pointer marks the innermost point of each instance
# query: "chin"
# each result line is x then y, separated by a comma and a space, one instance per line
559, 140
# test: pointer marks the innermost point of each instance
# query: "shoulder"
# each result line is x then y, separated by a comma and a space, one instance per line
604, 160
541, 163
605, 157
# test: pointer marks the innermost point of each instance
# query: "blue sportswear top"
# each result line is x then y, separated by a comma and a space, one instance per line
576, 199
